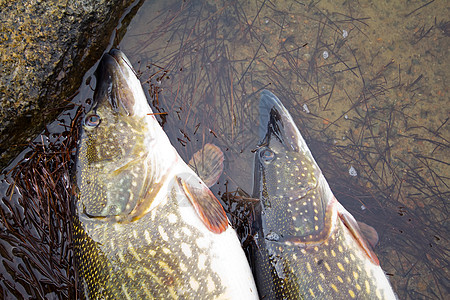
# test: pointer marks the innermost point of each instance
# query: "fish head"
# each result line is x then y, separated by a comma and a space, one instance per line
287, 178
122, 151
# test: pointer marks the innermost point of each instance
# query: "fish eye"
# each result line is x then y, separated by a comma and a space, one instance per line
267, 155
92, 120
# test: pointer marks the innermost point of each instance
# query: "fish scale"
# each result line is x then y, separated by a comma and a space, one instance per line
149, 251
306, 245
297, 202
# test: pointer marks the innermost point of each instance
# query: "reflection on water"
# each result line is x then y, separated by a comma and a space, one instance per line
365, 83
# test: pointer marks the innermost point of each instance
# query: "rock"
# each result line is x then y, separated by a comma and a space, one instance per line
46, 47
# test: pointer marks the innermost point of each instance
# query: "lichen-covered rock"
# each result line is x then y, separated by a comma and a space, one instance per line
45, 48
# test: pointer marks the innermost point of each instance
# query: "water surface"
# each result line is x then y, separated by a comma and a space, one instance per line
366, 83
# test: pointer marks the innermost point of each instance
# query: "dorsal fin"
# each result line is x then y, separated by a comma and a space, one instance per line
206, 205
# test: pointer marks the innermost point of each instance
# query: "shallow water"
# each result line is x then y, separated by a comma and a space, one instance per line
366, 83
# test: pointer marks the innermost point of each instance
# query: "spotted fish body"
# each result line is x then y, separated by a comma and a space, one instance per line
145, 225
307, 246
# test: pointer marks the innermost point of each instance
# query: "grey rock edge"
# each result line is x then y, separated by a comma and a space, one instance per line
46, 47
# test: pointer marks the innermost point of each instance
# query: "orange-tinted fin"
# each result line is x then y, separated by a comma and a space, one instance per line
369, 233
352, 225
208, 164
206, 205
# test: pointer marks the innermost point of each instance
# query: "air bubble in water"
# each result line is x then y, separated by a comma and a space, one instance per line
305, 108
352, 171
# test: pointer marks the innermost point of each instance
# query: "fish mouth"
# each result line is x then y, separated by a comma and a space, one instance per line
117, 83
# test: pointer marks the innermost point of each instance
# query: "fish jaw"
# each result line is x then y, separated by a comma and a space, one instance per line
121, 138
306, 243
288, 180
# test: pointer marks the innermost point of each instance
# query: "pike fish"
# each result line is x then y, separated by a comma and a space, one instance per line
306, 245
145, 225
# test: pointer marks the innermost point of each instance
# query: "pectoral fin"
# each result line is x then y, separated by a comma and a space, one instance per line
369, 233
351, 224
206, 205
208, 164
